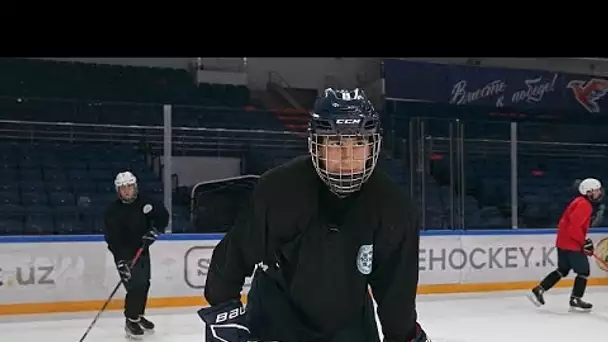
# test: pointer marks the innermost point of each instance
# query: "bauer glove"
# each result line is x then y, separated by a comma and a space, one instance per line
124, 270
225, 322
588, 248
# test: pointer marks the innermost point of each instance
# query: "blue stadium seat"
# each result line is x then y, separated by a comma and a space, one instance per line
34, 197
62, 199
67, 220
10, 197
39, 223
78, 175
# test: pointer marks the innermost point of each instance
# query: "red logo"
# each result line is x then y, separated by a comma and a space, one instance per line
588, 93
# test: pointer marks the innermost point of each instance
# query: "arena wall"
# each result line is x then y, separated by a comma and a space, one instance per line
44, 274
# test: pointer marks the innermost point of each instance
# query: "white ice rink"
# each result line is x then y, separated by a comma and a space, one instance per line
498, 317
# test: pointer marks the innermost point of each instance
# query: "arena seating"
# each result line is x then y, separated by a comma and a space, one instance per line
45, 110
53, 189
100, 82
546, 169
63, 188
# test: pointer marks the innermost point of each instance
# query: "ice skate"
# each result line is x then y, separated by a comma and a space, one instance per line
133, 329
536, 296
147, 325
579, 305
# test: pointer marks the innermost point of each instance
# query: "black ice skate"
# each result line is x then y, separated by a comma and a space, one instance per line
579, 305
536, 297
133, 329
146, 324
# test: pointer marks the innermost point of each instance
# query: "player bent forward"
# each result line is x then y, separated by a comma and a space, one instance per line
573, 246
321, 229
131, 222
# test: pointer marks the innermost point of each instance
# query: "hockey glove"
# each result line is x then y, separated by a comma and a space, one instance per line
420, 335
149, 238
588, 248
225, 322
124, 270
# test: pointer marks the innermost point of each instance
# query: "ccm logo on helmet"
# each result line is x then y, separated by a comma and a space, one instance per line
348, 121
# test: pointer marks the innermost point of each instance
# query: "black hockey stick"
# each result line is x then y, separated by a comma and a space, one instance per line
105, 305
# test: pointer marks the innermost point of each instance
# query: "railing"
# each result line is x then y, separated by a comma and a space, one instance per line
185, 139
525, 148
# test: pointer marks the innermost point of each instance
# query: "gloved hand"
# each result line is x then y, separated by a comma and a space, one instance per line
225, 322
124, 270
149, 238
420, 335
588, 248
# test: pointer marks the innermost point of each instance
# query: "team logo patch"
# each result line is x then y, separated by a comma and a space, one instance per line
365, 258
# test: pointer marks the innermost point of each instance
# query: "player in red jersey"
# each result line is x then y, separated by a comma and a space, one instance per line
573, 246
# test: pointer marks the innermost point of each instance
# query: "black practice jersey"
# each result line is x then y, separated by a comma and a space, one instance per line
329, 249
126, 224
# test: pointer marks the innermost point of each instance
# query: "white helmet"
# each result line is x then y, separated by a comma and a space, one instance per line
126, 178
589, 184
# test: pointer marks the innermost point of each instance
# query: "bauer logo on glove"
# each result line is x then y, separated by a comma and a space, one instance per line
225, 322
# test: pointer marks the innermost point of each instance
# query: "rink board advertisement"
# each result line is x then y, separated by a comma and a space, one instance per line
61, 274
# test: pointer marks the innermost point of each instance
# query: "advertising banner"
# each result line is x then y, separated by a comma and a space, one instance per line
494, 87
79, 275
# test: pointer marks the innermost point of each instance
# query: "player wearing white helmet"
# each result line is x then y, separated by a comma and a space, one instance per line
132, 222
573, 246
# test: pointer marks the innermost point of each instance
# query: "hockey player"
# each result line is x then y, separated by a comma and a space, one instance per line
321, 229
573, 246
130, 223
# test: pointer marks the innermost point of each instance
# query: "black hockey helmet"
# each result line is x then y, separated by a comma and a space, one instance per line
344, 139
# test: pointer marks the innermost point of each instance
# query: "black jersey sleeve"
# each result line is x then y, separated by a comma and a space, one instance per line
394, 280
159, 216
235, 257
113, 236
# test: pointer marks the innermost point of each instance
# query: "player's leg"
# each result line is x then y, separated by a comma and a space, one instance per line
137, 292
580, 266
563, 268
270, 315
362, 329
145, 275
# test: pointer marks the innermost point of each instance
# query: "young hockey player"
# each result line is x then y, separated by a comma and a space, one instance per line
321, 229
130, 223
573, 246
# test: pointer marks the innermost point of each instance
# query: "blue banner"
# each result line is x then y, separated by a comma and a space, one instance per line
494, 87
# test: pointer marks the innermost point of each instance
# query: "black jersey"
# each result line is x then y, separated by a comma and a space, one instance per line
126, 224
328, 249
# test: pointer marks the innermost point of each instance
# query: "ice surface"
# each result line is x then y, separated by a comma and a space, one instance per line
497, 317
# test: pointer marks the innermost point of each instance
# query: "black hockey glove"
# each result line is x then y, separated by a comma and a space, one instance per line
124, 270
149, 238
588, 248
225, 322
420, 335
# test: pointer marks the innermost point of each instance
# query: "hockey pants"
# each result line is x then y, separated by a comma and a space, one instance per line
137, 288
271, 316
566, 261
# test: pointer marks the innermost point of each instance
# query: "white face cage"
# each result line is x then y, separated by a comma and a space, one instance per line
344, 162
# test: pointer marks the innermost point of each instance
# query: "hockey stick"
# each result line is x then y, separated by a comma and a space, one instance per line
105, 305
